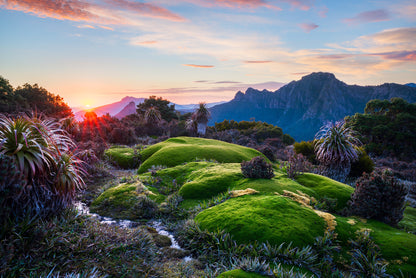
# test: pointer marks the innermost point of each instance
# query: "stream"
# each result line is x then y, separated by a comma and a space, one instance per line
157, 225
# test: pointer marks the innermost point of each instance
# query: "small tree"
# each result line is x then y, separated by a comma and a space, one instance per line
336, 148
201, 117
379, 196
152, 116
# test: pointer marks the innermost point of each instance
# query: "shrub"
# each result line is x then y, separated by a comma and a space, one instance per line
257, 167
49, 172
364, 164
268, 152
306, 148
297, 165
379, 196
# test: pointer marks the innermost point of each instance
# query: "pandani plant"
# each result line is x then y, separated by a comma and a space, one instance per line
46, 173
336, 147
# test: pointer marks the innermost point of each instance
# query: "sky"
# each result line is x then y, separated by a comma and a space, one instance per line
94, 52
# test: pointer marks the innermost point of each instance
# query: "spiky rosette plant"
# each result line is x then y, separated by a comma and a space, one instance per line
41, 153
336, 147
152, 116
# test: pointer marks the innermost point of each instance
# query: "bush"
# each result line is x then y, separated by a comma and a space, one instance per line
364, 164
258, 167
306, 148
297, 165
268, 152
379, 196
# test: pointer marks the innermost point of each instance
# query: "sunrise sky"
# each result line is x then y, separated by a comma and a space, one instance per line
93, 52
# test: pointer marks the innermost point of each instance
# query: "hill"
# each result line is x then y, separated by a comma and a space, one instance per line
301, 107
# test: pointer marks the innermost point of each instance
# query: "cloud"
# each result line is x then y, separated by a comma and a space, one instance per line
304, 5
240, 4
86, 26
368, 16
323, 11
101, 12
307, 27
398, 55
227, 82
147, 42
198, 66
258, 62
145, 9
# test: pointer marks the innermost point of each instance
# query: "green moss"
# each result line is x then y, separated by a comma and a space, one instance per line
238, 273
176, 151
408, 222
123, 157
264, 218
394, 244
210, 181
326, 187
119, 202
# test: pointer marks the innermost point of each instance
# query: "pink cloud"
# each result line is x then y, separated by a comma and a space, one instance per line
198, 66
324, 10
257, 62
304, 5
234, 3
307, 27
368, 16
335, 56
82, 10
146, 42
145, 9
398, 55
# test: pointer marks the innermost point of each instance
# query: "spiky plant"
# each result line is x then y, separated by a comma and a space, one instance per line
41, 153
336, 148
201, 117
152, 116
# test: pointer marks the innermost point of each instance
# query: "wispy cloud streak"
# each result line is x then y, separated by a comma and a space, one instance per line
369, 16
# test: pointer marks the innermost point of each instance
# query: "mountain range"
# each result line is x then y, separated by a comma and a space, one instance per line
301, 107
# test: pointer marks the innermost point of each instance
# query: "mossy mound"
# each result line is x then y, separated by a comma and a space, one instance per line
123, 157
408, 222
397, 247
120, 202
264, 218
176, 151
326, 187
210, 181
238, 273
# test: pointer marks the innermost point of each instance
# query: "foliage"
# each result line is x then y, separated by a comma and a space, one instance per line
387, 127
268, 152
336, 148
257, 168
71, 243
364, 164
176, 151
379, 196
261, 131
201, 117
297, 165
165, 108
152, 116
31, 98
366, 257
42, 153
307, 149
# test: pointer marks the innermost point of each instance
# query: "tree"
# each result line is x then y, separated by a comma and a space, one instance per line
152, 116
336, 148
201, 117
387, 127
166, 109
6, 95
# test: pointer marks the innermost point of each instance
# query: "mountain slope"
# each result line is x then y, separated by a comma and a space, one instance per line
301, 107
127, 110
112, 108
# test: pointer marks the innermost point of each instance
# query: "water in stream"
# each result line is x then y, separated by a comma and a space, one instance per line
157, 225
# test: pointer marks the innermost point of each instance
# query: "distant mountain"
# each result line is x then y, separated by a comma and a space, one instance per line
301, 107
411, 85
112, 108
185, 108
127, 110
